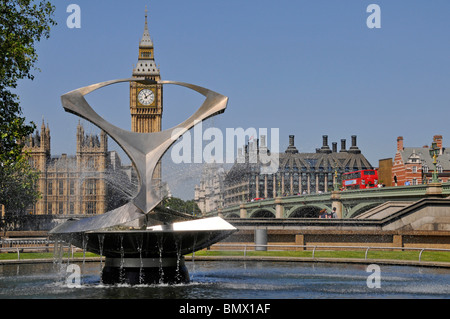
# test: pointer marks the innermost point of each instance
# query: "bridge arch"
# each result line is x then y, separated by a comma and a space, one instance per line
360, 208
263, 213
231, 215
305, 211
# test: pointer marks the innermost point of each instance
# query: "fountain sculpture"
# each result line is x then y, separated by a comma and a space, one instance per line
143, 242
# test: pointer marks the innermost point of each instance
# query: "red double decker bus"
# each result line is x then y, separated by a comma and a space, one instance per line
367, 178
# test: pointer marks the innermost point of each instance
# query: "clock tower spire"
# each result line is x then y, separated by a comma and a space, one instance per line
146, 100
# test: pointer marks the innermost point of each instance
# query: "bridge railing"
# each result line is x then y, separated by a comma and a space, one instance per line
245, 248
387, 193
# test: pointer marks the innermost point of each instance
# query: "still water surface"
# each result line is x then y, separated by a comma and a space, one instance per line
234, 280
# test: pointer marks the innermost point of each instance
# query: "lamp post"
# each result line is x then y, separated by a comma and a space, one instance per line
279, 185
335, 181
434, 152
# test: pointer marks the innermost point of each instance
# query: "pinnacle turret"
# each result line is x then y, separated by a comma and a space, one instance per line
146, 41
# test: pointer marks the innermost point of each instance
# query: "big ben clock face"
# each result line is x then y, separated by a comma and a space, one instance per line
146, 97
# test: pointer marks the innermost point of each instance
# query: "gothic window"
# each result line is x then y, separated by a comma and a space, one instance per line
50, 188
91, 162
90, 187
32, 162
72, 187
91, 207
61, 187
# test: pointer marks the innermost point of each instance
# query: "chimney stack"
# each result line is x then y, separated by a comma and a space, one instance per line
438, 140
353, 140
291, 148
325, 148
399, 143
325, 140
354, 148
343, 142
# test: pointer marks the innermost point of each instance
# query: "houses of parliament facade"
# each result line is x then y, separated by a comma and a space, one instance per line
79, 184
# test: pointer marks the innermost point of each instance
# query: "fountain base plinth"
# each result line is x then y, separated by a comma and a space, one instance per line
149, 271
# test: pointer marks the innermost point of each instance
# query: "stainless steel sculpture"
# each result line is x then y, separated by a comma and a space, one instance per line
156, 232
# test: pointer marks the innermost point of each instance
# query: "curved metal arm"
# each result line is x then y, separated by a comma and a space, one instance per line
144, 149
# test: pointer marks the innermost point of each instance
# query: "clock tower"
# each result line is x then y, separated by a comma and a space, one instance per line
146, 101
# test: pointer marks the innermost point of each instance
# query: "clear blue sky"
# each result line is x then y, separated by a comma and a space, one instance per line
310, 68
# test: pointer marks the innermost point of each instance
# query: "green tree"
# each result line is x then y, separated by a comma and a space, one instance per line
22, 24
18, 186
192, 207
179, 205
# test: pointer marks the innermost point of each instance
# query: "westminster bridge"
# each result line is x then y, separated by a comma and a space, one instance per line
348, 203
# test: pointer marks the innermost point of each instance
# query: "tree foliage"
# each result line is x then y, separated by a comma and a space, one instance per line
179, 205
22, 24
18, 186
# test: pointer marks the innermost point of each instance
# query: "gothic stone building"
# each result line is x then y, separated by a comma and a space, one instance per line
209, 193
82, 184
298, 173
85, 183
69, 185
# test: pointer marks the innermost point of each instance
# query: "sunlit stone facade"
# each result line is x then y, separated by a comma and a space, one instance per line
69, 185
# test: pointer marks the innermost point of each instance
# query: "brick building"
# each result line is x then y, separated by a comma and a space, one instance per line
414, 165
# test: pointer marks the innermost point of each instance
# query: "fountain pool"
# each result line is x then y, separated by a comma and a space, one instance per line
234, 280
